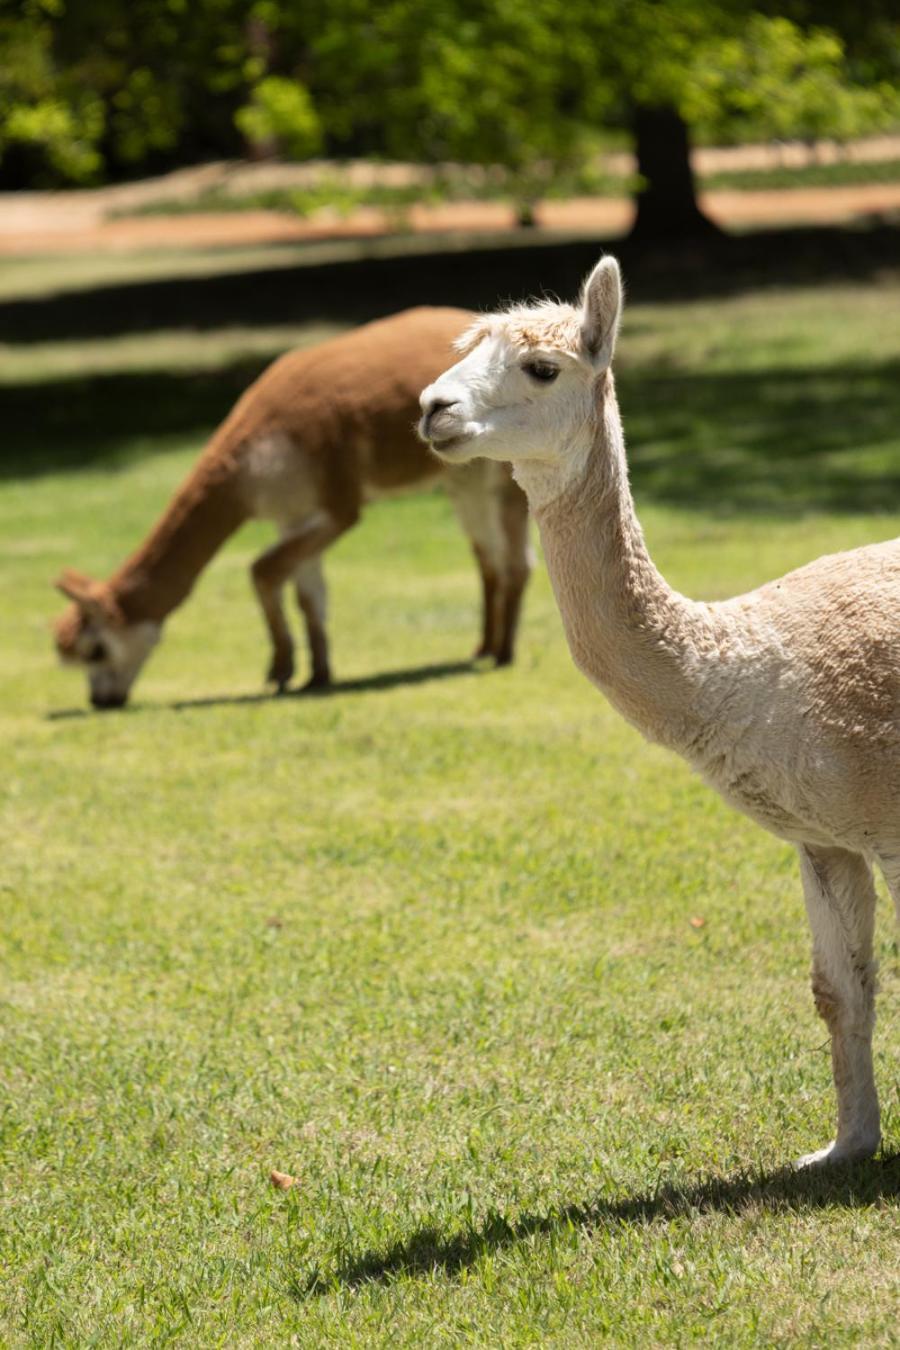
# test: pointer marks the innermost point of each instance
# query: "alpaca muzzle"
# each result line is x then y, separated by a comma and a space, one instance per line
105, 702
439, 422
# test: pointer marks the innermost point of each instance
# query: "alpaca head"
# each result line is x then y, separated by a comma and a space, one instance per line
94, 633
530, 382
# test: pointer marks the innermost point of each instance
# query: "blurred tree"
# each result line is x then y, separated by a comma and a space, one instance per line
92, 87
280, 116
89, 87
492, 81
48, 119
651, 56
731, 76
479, 81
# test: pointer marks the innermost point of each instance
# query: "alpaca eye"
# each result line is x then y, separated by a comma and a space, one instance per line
543, 371
97, 653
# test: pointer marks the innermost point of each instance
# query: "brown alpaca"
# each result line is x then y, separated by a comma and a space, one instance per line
318, 434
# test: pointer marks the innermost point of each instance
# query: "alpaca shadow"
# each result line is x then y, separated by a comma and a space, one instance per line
427, 1250
365, 684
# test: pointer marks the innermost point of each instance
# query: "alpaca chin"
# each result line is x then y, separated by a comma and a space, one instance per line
454, 449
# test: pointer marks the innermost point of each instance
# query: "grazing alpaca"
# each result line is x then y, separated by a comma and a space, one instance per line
787, 699
320, 432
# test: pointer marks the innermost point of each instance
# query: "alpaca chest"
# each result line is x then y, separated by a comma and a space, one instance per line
801, 783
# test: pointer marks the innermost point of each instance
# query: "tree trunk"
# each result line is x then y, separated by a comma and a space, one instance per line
258, 37
667, 200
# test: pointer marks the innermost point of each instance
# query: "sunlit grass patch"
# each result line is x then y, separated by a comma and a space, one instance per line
521, 1005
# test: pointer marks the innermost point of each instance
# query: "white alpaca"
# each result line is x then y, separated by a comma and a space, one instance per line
786, 700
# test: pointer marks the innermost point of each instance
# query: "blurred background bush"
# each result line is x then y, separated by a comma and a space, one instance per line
101, 90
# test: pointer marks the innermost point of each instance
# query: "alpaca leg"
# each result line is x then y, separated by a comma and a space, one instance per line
272, 569
312, 599
890, 867
474, 496
518, 565
491, 598
840, 901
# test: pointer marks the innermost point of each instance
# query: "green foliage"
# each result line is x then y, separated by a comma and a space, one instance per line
88, 86
126, 82
775, 80
495, 82
738, 75
281, 114
47, 117
65, 134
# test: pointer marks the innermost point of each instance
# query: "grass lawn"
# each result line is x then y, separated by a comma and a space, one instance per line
518, 1001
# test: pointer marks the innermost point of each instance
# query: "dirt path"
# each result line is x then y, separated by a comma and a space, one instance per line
99, 219
603, 216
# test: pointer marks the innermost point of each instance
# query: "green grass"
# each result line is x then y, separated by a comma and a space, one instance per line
843, 173
426, 943
338, 194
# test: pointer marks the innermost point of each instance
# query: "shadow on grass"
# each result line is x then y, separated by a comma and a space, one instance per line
365, 684
82, 422
428, 1251
774, 441
367, 287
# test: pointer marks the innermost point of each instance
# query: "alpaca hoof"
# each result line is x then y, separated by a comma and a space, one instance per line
835, 1153
281, 671
823, 1157
319, 679
504, 658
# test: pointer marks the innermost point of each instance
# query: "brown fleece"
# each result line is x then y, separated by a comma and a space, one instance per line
349, 405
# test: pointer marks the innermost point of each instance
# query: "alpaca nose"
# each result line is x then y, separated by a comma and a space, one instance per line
432, 408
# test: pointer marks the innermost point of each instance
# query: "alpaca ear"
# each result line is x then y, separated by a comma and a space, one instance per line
77, 586
90, 596
601, 303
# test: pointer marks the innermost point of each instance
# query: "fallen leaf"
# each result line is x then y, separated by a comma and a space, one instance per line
697, 922
282, 1181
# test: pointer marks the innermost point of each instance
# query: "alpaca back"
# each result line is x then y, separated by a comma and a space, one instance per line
350, 405
803, 702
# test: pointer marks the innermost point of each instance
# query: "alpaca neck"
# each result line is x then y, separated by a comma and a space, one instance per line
638, 640
161, 573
